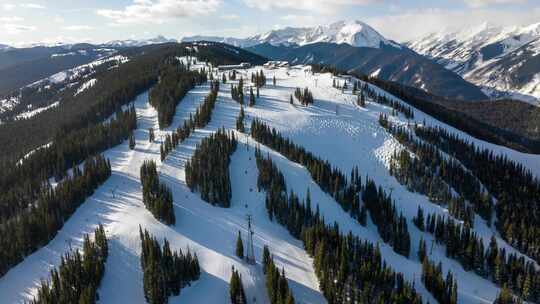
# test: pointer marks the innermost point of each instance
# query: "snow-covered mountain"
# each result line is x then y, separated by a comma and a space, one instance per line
354, 33
139, 42
4, 47
238, 42
502, 60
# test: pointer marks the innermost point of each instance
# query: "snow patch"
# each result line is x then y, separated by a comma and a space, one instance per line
26, 115
85, 86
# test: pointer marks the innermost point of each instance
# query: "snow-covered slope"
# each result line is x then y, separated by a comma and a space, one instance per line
4, 47
495, 58
334, 128
354, 33
50, 88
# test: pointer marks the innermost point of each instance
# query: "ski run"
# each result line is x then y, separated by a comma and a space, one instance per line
333, 128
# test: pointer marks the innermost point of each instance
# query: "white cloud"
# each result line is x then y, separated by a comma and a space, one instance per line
59, 19
485, 3
13, 29
158, 11
11, 19
412, 24
307, 5
32, 5
230, 17
8, 6
300, 20
78, 28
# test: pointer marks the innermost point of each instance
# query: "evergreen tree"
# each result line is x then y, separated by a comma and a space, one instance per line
251, 97
240, 121
131, 142
236, 288
151, 136
422, 250
239, 246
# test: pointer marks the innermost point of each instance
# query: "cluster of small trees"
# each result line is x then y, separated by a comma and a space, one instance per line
78, 277
506, 297
304, 96
443, 290
363, 90
237, 92
30, 229
240, 121
344, 264
493, 263
208, 169
165, 272
277, 286
433, 174
258, 79
236, 288
391, 225
516, 189
361, 100
157, 197
202, 117
175, 80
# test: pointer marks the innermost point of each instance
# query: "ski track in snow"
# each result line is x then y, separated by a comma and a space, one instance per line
356, 139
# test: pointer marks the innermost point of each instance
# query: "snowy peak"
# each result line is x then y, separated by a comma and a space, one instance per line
4, 47
501, 60
238, 42
354, 33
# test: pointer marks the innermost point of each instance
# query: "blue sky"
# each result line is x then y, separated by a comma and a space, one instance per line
103, 20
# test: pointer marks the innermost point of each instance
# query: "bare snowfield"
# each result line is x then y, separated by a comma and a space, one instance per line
334, 128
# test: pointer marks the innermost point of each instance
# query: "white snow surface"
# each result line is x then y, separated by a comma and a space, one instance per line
353, 137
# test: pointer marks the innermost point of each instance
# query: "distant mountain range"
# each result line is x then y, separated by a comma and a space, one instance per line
4, 47
354, 33
141, 42
503, 61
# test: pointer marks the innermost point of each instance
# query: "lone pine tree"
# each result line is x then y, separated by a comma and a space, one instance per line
239, 246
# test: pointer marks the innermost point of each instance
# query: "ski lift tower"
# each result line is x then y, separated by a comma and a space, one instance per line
250, 257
